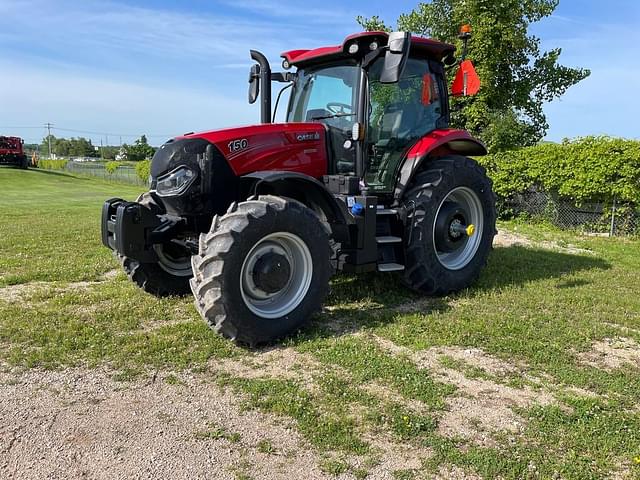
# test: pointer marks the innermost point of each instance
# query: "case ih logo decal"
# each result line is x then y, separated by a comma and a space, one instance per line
303, 137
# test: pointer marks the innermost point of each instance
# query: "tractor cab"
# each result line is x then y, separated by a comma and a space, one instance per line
377, 94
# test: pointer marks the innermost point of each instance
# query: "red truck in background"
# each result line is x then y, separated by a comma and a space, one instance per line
12, 153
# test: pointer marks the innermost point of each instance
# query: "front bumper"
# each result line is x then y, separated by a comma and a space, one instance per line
131, 229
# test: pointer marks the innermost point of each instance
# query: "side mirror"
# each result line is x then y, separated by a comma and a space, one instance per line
254, 83
396, 56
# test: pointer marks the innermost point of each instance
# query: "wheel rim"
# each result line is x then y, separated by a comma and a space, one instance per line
284, 295
173, 261
461, 207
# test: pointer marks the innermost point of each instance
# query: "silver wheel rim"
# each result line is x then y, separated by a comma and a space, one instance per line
177, 266
284, 301
470, 202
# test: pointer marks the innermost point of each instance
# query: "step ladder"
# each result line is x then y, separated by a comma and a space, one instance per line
388, 237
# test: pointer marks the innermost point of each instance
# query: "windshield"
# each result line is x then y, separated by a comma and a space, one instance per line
329, 95
324, 94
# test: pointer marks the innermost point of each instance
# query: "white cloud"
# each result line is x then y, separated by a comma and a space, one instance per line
104, 66
31, 95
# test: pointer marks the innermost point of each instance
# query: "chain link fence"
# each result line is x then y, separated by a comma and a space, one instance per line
124, 173
590, 217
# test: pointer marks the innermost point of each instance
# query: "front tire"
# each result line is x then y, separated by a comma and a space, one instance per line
155, 278
262, 270
450, 226
170, 275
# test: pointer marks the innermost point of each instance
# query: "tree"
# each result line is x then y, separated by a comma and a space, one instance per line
109, 152
68, 147
81, 147
140, 150
62, 147
517, 78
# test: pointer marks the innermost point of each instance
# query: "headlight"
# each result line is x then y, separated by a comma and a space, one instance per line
175, 182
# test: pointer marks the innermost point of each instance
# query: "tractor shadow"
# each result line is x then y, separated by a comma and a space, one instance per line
371, 300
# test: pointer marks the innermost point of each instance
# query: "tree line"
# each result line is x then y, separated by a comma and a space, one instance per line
83, 147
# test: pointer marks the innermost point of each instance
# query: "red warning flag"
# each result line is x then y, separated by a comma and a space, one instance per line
467, 81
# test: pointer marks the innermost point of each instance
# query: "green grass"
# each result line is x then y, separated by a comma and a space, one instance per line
217, 432
533, 307
50, 226
50, 232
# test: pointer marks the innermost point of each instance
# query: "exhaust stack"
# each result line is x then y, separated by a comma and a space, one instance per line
264, 77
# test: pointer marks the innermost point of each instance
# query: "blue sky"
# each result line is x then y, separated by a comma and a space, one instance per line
165, 67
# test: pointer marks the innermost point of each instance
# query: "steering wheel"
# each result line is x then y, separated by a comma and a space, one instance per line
338, 108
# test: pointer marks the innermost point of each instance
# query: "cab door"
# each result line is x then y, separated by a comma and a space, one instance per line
399, 114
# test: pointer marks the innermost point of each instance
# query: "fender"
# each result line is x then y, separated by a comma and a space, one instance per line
436, 144
305, 189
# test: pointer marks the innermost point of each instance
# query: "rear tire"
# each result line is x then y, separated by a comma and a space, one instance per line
262, 270
438, 263
167, 277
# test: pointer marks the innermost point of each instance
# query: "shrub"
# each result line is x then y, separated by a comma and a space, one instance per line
143, 169
586, 169
111, 167
52, 164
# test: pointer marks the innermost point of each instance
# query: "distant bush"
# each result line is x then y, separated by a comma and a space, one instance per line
52, 164
143, 169
111, 167
586, 169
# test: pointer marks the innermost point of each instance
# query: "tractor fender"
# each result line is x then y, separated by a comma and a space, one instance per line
435, 144
305, 189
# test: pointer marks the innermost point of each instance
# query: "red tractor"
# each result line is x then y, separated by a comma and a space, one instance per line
363, 176
12, 153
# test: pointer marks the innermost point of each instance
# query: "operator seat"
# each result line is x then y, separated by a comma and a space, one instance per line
398, 122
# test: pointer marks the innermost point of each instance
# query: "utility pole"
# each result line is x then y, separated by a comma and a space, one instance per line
49, 125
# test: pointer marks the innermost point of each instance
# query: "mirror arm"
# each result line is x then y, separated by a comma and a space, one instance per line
282, 77
371, 56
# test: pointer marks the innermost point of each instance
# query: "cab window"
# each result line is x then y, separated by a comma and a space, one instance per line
328, 95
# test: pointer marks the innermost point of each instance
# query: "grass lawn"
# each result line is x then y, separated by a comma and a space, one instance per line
532, 373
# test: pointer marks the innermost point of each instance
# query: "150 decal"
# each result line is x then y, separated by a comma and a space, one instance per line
238, 145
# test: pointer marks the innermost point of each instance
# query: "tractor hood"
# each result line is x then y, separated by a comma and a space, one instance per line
299, 147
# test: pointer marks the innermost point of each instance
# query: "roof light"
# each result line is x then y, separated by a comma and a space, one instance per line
353, 48
373, 46
466, 28
285, 64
